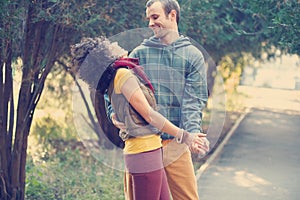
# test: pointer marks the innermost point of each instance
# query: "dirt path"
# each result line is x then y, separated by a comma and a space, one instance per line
260, 159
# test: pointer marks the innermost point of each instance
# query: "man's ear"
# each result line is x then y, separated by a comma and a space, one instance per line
173, 15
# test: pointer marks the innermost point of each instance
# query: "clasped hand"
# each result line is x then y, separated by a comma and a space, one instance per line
200, 144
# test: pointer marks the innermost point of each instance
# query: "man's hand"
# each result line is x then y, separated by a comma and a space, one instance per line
200, 144
118, 124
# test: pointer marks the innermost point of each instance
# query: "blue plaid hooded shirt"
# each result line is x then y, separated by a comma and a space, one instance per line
178, 74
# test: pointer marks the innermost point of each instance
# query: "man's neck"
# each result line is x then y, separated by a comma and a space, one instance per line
170, 38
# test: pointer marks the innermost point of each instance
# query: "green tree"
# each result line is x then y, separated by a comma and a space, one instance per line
40, 33
226, 26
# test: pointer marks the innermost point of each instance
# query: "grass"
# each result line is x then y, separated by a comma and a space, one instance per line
70, 175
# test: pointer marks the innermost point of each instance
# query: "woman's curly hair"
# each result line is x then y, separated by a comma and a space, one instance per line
91, 56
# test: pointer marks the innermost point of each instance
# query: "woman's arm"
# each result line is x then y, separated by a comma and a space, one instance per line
133, 93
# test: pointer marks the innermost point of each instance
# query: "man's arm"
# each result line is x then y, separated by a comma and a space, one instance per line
195, 93
109, 109
111, 114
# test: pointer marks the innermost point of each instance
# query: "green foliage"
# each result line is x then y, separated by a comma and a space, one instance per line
11, 16
59, 86
71, 175
54, 120
285, 26
230, 68
221, 26
226, 26
48, 130
92, 17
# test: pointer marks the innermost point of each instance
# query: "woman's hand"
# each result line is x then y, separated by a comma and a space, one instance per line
118, 124
199, 144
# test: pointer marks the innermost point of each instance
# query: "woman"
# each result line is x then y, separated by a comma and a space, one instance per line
134, 105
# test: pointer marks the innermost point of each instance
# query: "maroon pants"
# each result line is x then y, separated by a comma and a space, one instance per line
149, 178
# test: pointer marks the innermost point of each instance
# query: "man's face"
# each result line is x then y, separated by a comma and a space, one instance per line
158, 21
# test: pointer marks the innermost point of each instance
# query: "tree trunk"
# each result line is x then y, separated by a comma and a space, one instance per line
40, 51
6, 116
93, 123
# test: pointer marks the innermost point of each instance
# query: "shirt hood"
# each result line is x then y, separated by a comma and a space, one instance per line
153, 41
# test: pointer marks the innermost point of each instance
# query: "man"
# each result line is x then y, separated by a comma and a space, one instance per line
177, 71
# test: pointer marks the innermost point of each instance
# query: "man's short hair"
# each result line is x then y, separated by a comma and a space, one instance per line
168, 6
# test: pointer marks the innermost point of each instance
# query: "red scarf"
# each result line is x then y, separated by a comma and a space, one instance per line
133, 63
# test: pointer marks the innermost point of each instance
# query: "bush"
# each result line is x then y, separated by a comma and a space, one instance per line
70, 175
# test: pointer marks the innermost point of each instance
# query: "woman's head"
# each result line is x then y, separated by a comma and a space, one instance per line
91, 57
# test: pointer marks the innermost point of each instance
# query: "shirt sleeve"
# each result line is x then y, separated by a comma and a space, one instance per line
108, 107
121, 77
195, 94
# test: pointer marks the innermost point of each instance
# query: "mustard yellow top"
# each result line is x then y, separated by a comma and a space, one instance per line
137, 144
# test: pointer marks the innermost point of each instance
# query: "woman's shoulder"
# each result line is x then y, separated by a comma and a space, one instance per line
122, 73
